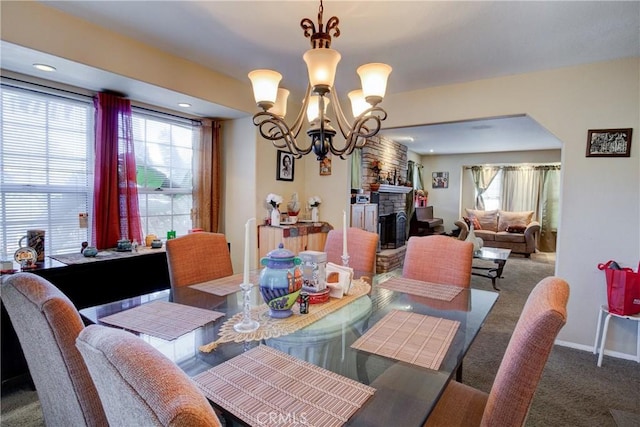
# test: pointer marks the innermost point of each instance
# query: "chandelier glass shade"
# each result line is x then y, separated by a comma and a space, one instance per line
322, 62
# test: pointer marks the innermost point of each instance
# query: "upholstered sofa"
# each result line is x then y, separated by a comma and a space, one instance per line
502, 229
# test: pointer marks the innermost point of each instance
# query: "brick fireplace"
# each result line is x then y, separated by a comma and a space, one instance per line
391, 197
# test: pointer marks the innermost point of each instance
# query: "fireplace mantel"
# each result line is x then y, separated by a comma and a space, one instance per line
384, 188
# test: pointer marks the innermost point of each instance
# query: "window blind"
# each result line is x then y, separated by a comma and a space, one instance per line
46, 162
164, 157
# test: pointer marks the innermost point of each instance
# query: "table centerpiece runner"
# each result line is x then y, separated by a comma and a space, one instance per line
273, 328
226, 285
423, 289
162, 319
410, 337
264, 382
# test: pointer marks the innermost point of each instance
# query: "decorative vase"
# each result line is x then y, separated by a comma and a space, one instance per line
275, 217
471, 237
374, 186
280, 281
314, 214
293, 217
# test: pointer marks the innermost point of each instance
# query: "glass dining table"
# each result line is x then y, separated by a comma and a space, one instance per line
405, 393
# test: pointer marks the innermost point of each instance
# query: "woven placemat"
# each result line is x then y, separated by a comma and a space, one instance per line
410, 337
226, 285
423, 289
273, 328
265, 386
162, 319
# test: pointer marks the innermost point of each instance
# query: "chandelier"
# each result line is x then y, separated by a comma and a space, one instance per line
322, 62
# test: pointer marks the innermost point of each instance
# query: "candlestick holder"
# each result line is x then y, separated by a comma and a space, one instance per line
246, 324
345, 260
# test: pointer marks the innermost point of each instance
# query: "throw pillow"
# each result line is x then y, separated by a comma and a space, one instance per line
488, 220
472, 220
516, 229
507, 219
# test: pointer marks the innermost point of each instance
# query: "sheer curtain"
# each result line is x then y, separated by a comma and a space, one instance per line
521, 188
356, 168
482, 177
418, 177
116, 211
409, 202
534, 188
206, 173
549, 208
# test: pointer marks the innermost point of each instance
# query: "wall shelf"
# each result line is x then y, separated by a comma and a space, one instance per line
385, 188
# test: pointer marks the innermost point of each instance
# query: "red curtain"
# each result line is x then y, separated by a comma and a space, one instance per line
115, 202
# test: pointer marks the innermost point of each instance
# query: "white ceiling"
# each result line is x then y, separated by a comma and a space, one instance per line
428, 43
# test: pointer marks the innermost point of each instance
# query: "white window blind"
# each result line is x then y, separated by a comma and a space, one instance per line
164, 156
46, 162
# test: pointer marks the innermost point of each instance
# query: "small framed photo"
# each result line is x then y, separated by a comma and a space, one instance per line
609, 143
325, 166
284, 168
440, 180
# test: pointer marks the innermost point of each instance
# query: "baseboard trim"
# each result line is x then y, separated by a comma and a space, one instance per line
589, 348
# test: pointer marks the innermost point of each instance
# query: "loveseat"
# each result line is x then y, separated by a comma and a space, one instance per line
502, 229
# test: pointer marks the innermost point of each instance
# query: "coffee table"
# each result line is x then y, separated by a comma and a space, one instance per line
498, 255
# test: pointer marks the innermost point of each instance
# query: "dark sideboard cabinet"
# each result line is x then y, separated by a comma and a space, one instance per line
87, 285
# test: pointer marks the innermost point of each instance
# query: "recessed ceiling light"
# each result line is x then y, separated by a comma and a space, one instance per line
431, 150
44, 67
184, 104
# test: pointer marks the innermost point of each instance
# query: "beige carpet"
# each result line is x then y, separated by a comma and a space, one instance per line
20, 408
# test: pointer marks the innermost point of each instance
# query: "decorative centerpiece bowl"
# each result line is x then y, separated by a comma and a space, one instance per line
280, 281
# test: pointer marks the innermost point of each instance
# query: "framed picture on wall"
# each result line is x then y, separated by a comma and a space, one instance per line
284, 167
609, 143
440, 180
325, 166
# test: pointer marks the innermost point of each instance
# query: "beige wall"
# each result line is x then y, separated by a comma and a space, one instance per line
600, 204
600, 196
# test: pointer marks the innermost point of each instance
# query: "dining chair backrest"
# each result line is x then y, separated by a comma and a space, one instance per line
511, 395
138, 385
361, 247
47, 325
198, 257
438, 259
542, 317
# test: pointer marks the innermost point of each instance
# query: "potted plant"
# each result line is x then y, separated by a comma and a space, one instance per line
314, 202
274, 200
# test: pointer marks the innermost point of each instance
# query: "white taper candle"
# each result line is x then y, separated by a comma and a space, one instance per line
344, 234
247, 251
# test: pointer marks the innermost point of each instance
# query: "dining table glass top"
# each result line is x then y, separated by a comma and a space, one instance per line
405, 393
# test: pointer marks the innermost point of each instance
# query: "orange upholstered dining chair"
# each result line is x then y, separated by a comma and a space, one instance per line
47, 324
438, 259
198, 257
361, 247
511, 395
138, 385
